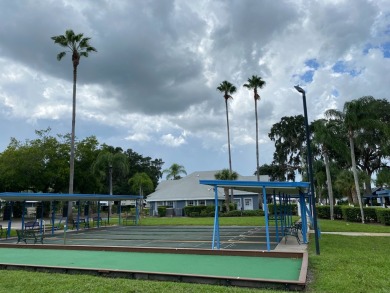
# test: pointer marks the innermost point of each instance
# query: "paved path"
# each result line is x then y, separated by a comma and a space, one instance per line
356, 234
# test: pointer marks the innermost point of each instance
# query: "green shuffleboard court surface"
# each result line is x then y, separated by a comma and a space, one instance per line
249, 267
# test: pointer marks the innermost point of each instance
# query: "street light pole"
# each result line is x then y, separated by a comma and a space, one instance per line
309, 158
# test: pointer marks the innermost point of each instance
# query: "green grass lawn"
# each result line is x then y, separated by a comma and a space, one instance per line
346, 264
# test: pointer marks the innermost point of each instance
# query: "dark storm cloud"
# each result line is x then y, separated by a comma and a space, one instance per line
146, 49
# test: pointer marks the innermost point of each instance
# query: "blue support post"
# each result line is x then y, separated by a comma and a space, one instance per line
23, 212
302, 204
276, 216
53, 216
98, 207
216, 244
136, 212
10, 219
78, 215
41, 220
120, 212
266, 218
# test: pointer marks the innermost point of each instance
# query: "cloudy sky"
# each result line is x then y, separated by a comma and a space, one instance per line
152, 85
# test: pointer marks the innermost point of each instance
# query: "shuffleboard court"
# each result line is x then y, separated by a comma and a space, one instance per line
204, 266
199, 237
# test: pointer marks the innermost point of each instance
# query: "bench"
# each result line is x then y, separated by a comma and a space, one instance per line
23, 235
3, 231
131, 218
293, 231
31, 225
99, 221
77, 222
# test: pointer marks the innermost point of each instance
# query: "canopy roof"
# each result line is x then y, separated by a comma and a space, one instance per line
289, 188
22, 196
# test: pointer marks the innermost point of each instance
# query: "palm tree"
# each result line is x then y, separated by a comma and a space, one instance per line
141, 182
226, 174
255, 82
325, 136
174, 171
228, 89
113, 163
79, 47
354, 118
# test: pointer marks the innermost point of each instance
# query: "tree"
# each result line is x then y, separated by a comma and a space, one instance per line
111, 164
227, 89
174, 171
326, 137
383, 178
225, 174
255, 82
141, 182
274, 172
79, 47
289, 136
355, 118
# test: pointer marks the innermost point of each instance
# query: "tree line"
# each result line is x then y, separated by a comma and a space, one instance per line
42, 165
349, 147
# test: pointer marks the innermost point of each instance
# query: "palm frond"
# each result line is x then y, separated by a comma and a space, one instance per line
60, 55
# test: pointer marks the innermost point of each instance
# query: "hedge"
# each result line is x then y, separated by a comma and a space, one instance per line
352, 214
383, 216
323, 212
162, 211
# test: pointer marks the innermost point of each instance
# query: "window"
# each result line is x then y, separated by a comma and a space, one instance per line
160, 203
248, 201
201, 202
190, 203
169, 204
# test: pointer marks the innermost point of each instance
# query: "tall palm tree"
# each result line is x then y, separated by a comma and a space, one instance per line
228, 89
354, 118
255, 83
141, 182
174, 171
226, 174
79, 47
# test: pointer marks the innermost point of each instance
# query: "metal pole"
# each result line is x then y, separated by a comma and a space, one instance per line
313, 205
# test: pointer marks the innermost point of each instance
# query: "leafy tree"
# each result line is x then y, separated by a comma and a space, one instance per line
110, 165
289, 137
79, 47
274, 172
141, 183
87, 151
383, 177
174, 171
225, 174
356, 118
327, 136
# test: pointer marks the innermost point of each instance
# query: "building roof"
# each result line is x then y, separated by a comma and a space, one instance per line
288, 188
188, 188
29, 196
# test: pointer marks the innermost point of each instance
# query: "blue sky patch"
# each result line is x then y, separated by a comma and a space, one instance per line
307, 76
386, 50
342, 67
312, 63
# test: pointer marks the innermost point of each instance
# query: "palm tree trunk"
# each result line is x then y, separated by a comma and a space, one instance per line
71, 163
329, 182
355, 175
230, 156
257, 154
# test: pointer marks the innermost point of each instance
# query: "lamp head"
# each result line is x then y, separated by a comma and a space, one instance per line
299, 89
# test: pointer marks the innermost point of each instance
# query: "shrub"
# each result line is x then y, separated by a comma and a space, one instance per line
193, 211
370, 214
351, 214
383, 215
162, 211
323, 212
